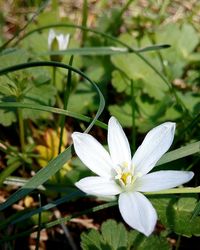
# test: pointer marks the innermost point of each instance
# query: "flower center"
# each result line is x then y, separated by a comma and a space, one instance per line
125, 175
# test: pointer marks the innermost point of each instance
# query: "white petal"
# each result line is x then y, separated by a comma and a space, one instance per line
98, 186
65, 42
93, 154
161, 180
51, 36
118, 144
155, 144
138, 212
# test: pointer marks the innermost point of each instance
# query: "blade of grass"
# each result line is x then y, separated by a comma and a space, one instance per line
176, 154
52, 110
39, 225
101, 51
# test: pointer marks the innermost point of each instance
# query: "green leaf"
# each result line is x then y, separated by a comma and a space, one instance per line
114, 236
176, 215
123, 113
91, 241
135, 69
182, 223
190, 101
180, 153
119, 81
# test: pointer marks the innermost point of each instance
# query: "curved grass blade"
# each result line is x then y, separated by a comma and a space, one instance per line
52, 110
54, 165
101, 51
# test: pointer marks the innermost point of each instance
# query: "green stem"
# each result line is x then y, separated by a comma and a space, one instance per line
184, 190
54, 76
39, 225
67, 91
133, 106
21, 129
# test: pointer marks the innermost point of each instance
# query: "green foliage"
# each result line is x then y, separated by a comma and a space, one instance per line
175, 214
26, 87
155, 101
114, 236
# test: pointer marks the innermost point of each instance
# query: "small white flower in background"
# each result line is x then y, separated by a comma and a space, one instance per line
57, 41
119, 174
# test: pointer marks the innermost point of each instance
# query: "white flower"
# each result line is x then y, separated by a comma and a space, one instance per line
119, 174
57, 41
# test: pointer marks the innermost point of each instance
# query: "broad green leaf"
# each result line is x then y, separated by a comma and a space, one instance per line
190, 100
140, 242
123, 113
114, 236
176, 215
120, 81
91, 241
136, 69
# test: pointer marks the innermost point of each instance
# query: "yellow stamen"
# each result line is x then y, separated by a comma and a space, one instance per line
126, 178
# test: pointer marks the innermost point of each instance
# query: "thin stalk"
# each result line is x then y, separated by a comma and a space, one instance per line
21, 129
54, 76
54, 73
67, 91
184, 190
133, 106
39, 225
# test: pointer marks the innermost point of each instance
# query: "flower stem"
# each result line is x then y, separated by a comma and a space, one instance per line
186, 190
133, 116
67, 91
21, 129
